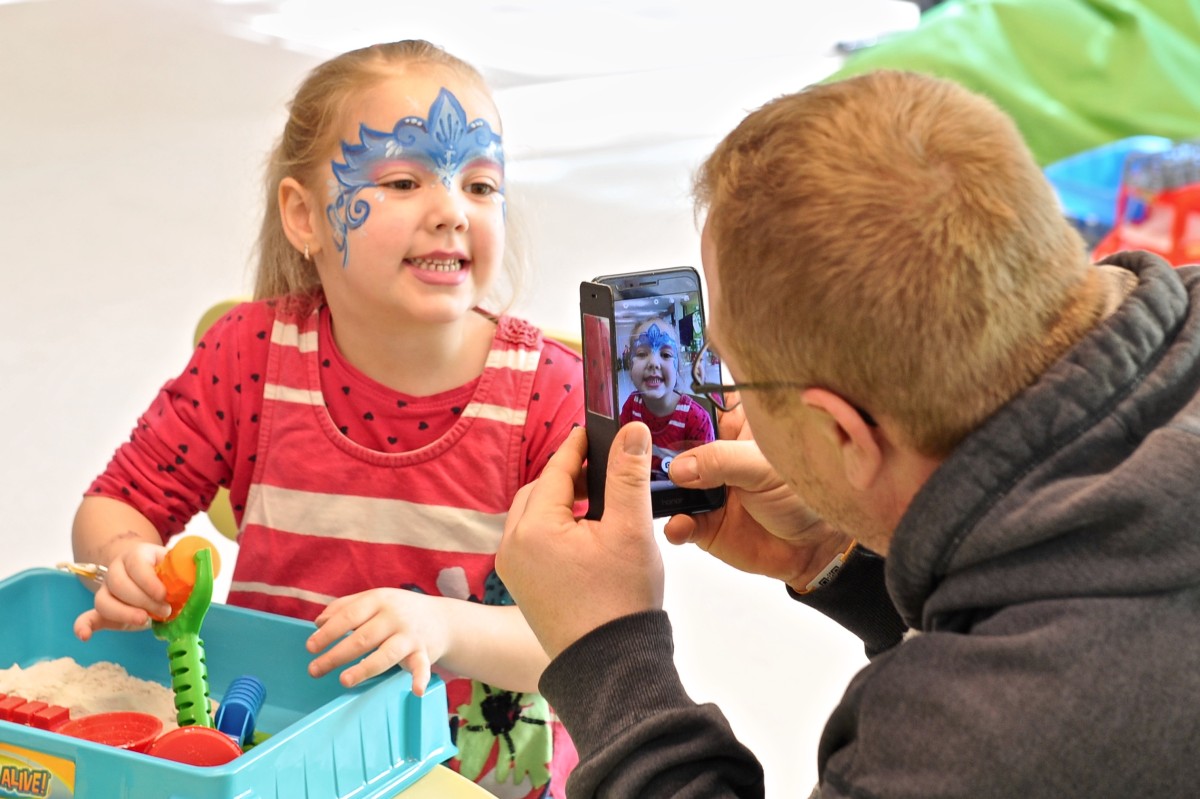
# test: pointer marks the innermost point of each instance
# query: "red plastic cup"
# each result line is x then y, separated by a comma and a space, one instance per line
196, 746
125, 729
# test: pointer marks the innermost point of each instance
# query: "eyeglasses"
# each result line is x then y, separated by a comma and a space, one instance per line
716, 392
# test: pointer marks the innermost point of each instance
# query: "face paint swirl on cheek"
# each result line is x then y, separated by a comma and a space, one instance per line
444, 142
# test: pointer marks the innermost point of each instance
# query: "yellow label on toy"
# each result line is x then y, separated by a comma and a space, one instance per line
28, 773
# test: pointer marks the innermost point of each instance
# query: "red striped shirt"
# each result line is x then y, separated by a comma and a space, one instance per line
340, 484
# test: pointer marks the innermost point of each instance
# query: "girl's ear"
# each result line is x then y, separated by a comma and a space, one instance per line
298, 213
856, 441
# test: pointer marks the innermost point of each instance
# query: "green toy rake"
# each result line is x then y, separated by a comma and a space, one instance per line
185, 649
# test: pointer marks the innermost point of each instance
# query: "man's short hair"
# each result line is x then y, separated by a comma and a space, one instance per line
890, 237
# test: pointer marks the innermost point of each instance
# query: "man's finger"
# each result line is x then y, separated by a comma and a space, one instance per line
732, 463
680, 529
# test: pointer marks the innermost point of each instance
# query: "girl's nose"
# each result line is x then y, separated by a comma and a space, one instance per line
449, 211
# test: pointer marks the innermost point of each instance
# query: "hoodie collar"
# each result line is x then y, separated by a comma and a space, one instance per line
981, 510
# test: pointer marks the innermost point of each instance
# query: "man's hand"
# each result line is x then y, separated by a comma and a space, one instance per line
570, 576
764, 527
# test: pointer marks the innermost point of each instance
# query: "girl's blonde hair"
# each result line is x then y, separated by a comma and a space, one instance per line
315, 120
890, 237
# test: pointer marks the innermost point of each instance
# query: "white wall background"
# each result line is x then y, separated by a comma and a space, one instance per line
132, 135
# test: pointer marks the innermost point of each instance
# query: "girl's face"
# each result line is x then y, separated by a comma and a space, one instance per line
414, 215
654, 359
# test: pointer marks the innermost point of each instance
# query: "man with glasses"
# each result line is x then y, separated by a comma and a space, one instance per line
959, 427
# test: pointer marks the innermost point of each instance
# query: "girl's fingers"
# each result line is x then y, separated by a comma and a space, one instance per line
349, 648
90, 621
399, 649
86, 624
339, 618
115, 614
333, 608
121, 589
419, 666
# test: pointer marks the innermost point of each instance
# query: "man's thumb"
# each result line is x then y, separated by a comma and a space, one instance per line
628, 483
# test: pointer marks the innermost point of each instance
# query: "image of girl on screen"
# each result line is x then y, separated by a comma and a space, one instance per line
677, 420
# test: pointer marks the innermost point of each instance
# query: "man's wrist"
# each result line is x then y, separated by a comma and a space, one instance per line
827, 563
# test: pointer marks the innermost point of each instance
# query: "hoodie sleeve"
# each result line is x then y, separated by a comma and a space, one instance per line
637, 731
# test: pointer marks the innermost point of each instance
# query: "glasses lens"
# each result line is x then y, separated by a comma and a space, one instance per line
698, 365
713, 392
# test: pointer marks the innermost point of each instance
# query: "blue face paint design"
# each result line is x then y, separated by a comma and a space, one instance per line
445, 143
655, 338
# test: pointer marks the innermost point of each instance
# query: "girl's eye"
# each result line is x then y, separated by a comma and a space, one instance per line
666, 353
480, 188
400, 184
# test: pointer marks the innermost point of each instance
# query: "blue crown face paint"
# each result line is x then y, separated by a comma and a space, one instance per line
444, 143
655, 338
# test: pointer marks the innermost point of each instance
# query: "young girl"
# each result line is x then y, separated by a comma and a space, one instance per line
676, 421
371, 421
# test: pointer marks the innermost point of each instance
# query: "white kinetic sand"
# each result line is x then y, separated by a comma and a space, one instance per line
99, 688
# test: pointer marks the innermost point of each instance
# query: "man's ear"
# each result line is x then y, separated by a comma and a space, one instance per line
862, 455
298, 212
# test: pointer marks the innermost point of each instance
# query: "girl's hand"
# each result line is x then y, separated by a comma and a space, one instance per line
130, 593
401, 627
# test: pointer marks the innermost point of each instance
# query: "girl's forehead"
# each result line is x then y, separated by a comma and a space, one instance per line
411, 93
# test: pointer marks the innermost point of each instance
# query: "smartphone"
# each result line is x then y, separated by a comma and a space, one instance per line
642, 333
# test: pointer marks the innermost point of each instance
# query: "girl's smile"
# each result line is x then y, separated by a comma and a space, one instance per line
439, 269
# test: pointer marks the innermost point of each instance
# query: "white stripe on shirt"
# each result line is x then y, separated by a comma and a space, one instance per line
373, 520
496, 413
289, 336
302, 396
281, 590
519, 360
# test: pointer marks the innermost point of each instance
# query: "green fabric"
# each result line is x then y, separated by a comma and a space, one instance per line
1074, 74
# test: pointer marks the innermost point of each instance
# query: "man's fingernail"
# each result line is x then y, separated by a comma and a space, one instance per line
637, 440
685, 469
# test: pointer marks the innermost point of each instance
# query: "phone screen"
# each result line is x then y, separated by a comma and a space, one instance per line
643, 338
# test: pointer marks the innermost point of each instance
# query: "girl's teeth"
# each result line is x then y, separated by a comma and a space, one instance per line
437, 266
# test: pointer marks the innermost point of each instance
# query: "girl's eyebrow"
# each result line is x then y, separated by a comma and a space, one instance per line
482, 161
384, 164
